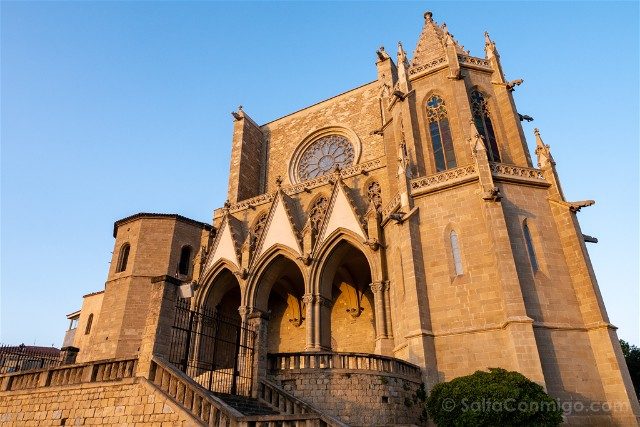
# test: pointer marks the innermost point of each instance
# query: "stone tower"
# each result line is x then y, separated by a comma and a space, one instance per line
146, 245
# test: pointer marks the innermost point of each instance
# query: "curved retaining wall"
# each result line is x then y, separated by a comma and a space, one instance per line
359, 389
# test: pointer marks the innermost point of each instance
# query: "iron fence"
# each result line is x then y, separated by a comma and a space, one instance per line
213, 348
16, 358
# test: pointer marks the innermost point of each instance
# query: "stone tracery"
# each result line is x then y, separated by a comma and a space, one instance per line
323, 155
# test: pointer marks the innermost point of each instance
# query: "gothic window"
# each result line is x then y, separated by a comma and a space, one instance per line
123, 258
317, 212
482, 119
256, 232
185, 258
455, 250
440, 132
374, 193
87, 330
530, 249
323, 155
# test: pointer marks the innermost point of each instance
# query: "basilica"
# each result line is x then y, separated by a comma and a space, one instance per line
389, 238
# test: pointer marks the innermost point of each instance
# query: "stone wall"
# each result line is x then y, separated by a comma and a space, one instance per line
131, 401
358, 399
360, 390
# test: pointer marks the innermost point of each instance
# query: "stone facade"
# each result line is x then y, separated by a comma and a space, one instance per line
429, 238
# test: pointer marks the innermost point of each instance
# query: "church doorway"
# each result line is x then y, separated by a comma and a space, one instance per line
210, 343
280, 294
346, 279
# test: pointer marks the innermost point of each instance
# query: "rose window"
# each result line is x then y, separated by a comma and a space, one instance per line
323, 155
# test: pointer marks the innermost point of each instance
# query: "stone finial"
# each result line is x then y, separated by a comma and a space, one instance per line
428, 16
402, 55
382, 54
489, 46
238, 115
227, 204
543, 151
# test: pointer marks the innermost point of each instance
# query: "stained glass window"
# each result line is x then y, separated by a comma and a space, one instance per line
482, 119
440, 132
323, 155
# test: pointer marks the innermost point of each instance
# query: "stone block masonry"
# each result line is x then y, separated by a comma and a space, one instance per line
131, 402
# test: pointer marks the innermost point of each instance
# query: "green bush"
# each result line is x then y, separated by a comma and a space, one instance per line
497, 397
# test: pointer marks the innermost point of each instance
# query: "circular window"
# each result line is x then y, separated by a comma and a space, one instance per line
323, 155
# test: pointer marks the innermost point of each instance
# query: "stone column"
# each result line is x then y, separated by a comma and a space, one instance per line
309, 322
380, 290
258, 321
322, 321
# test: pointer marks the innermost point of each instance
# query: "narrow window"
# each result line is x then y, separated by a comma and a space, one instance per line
482, 119
185, 258
123, 258
455, 250
530, 249
440, 132
89, 322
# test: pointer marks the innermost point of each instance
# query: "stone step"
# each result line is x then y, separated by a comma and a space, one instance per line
246, 405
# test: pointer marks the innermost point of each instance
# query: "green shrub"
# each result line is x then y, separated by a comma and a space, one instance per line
497, 397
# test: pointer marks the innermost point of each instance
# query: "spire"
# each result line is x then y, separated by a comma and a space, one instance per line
432, 42
489, 46
543, 152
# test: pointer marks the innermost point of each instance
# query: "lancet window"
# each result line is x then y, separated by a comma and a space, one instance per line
455, 251
123, 258
443, 152
185, 258
482, 119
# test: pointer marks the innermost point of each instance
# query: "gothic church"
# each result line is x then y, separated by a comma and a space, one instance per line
395, 234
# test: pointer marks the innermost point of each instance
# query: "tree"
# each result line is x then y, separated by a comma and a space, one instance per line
632, 357
497, 397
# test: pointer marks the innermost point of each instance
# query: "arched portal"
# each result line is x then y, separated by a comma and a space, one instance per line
279, 293
345, 281
218, 336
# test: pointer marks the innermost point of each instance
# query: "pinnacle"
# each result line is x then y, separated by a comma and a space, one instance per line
432, 41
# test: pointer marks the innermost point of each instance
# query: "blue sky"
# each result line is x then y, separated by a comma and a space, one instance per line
111, 108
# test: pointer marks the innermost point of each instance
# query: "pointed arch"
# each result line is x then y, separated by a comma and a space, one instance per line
211, 280
343, 281
278, 287
482, 119
257, 287
123, 257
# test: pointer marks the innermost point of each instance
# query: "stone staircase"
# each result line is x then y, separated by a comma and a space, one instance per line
247, 405
273, 407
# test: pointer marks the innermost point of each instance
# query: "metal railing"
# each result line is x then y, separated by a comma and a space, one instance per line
214, 349
24, 358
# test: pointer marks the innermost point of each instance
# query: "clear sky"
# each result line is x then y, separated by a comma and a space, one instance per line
111, 108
